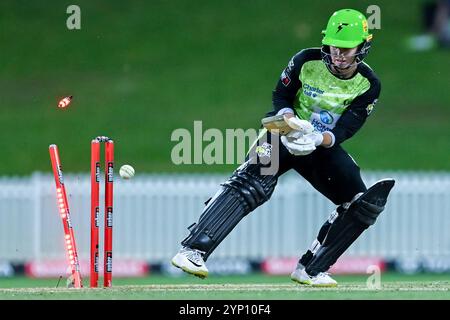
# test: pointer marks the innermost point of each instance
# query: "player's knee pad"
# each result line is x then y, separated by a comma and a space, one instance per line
365, 207
244, 191
254, 188
365, 211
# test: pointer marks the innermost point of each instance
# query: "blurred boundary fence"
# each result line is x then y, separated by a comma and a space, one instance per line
152, 212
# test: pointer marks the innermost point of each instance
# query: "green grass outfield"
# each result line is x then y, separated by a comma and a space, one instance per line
139, 70
251, 287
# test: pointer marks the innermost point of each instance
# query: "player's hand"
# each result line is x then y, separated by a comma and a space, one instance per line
286, 123
297, 124
298, 144
315, 136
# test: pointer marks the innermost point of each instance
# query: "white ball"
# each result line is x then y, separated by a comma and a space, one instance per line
126, 171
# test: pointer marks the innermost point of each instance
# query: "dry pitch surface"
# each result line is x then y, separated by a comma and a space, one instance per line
437, 288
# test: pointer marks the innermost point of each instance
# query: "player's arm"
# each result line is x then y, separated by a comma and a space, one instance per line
356, 114
282, 117
285, 92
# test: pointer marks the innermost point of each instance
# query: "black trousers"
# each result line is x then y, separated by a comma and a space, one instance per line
331, 171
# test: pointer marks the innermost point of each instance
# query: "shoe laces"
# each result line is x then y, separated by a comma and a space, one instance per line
194, 255
324, 274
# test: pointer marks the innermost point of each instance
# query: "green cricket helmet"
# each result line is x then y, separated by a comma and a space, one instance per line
346, 28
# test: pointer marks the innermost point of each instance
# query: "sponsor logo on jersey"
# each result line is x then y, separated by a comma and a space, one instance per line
326, 117
285, 78
290, 65
311, 91
319, 126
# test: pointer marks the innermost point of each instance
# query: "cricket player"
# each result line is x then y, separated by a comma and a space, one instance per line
323, 97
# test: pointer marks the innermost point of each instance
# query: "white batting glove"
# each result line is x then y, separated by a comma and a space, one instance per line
298, 124
298, 144
315, 136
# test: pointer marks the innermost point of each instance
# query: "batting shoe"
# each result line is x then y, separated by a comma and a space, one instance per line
300, 276
323, 279
191, 261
